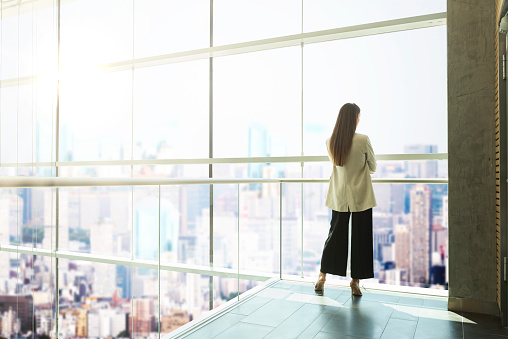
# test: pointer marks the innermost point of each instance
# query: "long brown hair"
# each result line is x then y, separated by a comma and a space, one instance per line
343, 132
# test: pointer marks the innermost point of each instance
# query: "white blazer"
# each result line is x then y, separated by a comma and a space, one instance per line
351, 185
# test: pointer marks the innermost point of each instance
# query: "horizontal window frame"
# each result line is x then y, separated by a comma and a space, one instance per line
208, 161
381, 27
41, 182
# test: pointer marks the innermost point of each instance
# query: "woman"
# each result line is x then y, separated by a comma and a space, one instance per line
350, 192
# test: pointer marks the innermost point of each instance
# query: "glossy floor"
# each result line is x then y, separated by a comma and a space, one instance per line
293, 310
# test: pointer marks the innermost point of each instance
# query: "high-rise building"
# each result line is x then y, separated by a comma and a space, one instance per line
82, 323
10, 323
142, 321
23, 305
63, 220
124, 281
193, 293
103, 280
26, 196
402, 247
420, 223
102, 239
421, 169
4, 235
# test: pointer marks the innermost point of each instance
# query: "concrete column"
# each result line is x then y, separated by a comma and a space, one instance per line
471, 28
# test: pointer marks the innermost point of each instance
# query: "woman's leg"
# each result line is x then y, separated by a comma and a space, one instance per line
362, 256
334, 258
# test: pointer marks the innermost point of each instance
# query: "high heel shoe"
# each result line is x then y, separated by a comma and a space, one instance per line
320, 284
355, 288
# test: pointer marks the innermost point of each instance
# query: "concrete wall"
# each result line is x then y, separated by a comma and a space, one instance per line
471, 28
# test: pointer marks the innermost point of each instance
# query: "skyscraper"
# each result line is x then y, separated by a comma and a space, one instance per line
402, 247
420, 197
124, 281
4, 235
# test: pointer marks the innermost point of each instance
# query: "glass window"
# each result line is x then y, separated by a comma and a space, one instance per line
245, 20
44, 133
10, 52
29, 40
146, 222
27, 132
184, 297
23, 303
185, 224
225, 226
162, 27
35, 220
96, 220
171, 111
105, 292
95, 32
291, 229
259, 213
9, 127
257, 106
96, 116
410, 233
327, 14
398, 80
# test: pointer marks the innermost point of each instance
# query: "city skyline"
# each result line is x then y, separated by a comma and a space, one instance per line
396, 221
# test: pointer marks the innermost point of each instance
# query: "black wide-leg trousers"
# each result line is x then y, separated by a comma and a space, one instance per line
335, 252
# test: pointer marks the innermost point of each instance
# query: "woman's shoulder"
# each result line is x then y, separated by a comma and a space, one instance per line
361, 137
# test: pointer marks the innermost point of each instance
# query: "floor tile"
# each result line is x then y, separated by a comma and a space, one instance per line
430, 313
245, 331
326, 335
410, 301
369, 305
432, 303
276, 293
381, 297
333, 292
330, 309
298, 322
438, 329
250, 306
344, 297
293, 310
273, 313
284, 285
216, 327
303, 298
354, 323
360, 318
400, 329
404, 312
304, 289
324, 300
481, 323
316, 326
